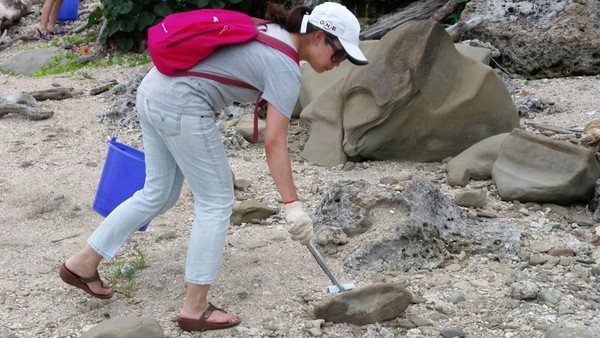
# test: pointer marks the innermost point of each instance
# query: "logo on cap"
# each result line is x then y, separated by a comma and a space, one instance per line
327, 25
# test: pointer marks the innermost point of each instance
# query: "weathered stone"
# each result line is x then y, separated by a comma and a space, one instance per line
366, 305
524, 290
561, 251
427, 229
524, 31
126, 327
249, 210
573, 330
476, 162
452, 333
475, 198
538, 169
406, 102
30, 61
245, 127
537, 259
342, 207
420, 321
541, 246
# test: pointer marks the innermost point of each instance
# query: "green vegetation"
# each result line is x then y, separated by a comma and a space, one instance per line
122, 277
65, 64
455, 17
127, 21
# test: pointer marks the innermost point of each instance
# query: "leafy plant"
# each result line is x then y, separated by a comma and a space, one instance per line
122, 278
127, 21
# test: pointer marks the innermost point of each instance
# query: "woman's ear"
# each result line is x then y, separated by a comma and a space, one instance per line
318, 37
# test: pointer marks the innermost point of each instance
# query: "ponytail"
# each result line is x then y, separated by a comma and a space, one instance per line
290, 20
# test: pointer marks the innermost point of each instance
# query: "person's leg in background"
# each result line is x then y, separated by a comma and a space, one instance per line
47, 26
51, 25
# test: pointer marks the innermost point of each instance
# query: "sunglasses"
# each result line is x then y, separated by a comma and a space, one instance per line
339, 54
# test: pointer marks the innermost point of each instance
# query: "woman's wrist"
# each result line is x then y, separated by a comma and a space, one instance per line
290, 201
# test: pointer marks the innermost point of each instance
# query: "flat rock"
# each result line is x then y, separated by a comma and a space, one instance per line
366, 305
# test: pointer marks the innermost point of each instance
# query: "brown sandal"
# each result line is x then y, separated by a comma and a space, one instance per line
72, 278
201, 324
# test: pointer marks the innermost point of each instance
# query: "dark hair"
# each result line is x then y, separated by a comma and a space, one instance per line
290, 20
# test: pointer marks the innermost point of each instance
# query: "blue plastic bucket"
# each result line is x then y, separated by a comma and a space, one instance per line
123, 174
68, 10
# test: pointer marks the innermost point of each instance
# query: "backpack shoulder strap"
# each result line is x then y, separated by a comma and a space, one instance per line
273, 42
278, 44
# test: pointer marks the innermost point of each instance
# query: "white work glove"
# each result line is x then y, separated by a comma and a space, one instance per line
301, 225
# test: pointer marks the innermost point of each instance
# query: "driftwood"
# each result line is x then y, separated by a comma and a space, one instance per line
576, 131
23, 104
457, 30
435, 10
102, 89
420, 10
445, 11
52, 94
17, 39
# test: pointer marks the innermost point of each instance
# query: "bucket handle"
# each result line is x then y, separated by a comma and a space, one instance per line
122, 124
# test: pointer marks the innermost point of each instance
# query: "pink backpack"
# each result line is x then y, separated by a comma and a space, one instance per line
181, 40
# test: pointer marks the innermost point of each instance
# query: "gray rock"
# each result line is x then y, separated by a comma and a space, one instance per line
524, 290
428, 229
559, 251
405, 324
476, 162
365, 305
556, 209
249, 210
452, 333
533, 27
242, 185
474, 198
388, 180
245, 127
7, 333
537, 259
126, 327
573, 330
539, 169
541, 246
457, 297
29, 62
550, 296
342, 207
420, 321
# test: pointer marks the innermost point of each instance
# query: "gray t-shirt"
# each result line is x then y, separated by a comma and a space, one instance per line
269, 70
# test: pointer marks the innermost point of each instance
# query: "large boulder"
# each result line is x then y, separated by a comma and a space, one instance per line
418, 99
540, 38
535, 168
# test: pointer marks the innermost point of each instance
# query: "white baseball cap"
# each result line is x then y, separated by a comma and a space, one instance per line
337, 20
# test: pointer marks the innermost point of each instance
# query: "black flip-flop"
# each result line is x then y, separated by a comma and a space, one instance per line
72, 278
202, 324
